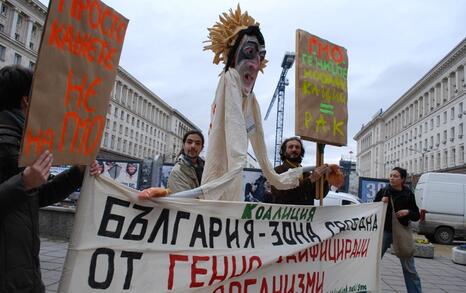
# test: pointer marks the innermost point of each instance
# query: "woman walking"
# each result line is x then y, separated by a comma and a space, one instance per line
405, 208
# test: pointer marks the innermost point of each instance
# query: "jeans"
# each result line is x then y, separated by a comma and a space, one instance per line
412, 280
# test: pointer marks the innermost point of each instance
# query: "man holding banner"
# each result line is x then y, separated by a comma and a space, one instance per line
187, 172
24, 191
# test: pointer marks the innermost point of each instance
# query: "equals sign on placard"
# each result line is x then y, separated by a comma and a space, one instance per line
326, 108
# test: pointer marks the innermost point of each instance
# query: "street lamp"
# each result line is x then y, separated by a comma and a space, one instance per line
423, 153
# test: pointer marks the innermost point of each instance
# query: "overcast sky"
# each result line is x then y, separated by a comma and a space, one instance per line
390, 44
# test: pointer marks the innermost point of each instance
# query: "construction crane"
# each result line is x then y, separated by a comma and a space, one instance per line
287, 62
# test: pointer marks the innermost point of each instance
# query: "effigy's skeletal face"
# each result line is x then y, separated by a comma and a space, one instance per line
248, 58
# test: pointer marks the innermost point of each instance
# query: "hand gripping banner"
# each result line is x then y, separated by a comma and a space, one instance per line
120, 244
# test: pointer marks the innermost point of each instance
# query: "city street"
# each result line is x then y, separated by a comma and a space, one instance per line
437, 275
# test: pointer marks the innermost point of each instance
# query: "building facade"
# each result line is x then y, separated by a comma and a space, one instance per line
424, 129
139, 124
21, 26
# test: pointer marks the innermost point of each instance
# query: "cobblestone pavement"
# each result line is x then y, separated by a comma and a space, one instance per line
437, 275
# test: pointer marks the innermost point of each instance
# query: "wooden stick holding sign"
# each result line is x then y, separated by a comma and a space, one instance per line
320, 181
76, 69
321, 95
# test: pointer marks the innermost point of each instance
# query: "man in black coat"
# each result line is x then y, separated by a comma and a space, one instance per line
24, 190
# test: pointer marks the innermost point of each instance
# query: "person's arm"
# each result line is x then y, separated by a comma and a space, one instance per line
414, 214
65, 183
17, 188
60, 187
310, 180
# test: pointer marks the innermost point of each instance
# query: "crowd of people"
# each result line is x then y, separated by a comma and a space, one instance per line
24, 190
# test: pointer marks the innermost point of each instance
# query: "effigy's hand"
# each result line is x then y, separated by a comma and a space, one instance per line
334, 176
318, 173
94, 169
153, 192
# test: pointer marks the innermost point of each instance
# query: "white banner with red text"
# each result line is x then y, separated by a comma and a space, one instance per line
120, 244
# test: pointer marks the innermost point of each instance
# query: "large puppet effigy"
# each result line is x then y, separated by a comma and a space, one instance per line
237, 41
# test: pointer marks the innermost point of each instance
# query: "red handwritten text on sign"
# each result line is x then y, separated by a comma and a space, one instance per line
80, 127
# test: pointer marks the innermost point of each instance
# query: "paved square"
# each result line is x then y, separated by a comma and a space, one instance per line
438, 275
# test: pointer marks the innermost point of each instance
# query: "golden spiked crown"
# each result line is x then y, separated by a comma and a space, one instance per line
222, 35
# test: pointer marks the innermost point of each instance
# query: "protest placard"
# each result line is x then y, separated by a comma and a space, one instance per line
76, 69
120, 244
321, 90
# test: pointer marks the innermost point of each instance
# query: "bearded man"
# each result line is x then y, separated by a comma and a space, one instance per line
292, 154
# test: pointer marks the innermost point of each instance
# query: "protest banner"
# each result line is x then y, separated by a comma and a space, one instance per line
120, 244
321, 90
76, 69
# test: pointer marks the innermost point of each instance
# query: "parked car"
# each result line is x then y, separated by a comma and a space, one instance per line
441, 198
339, 198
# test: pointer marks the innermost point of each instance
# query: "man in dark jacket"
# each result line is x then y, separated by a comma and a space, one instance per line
292, 154
24, 190
406, 210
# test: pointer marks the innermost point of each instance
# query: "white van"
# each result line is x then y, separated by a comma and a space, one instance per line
441, 198
339, 198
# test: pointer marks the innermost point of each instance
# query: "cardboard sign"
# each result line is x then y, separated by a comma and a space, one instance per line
76, 69
321, 90
120, 244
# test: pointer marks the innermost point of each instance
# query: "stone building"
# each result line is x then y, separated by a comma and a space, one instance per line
139, 123
424, 129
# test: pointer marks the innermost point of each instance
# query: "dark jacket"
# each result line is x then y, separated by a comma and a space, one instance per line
19, 211
403, 200
304, 194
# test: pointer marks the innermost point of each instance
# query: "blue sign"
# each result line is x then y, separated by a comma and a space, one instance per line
368, 188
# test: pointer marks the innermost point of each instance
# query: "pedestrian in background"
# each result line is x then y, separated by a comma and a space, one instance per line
404, 205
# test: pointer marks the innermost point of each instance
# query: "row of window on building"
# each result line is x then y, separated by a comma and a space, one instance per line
131, 100
442, 93
127, 133
437, 160
128, 147
17, 58
26, 32
435, 127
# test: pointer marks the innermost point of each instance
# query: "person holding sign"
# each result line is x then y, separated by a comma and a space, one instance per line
292, 154
400, 198
24, 190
